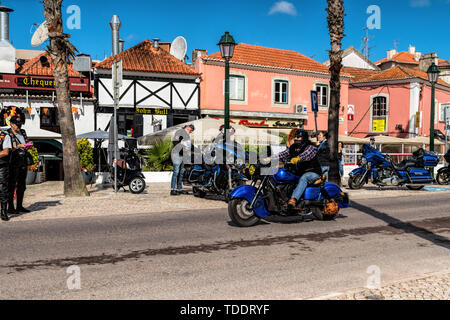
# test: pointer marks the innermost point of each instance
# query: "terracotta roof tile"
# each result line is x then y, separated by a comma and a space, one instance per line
271, 57
145, 58
403, 56
399, 73
359, 74
34, 67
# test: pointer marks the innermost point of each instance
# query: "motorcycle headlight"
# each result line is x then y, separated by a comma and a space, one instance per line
364, 161
240, 163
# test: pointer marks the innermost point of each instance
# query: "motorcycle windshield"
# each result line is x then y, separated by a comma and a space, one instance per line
372, 155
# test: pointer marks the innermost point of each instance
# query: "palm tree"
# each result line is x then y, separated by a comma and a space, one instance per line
335, 20
60, 50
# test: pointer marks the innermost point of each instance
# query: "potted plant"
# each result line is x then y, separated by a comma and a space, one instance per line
86, 155
33, 169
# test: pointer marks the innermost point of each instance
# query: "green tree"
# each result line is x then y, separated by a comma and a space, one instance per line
159, 156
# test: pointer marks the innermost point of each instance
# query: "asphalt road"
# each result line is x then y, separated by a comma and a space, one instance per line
201, 255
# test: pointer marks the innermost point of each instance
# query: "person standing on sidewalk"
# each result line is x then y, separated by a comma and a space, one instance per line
323, 152
182, 146
16, 141
4, 176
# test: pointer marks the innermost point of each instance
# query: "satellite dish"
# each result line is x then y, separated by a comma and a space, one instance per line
40, 35
178, 48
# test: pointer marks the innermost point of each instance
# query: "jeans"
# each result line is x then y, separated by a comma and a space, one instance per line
177, 177
341, 168
306, 179
325, 170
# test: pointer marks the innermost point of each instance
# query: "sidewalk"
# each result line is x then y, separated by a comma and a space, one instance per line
48, 202
426, 287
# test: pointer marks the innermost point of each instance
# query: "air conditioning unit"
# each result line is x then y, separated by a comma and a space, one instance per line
301, 109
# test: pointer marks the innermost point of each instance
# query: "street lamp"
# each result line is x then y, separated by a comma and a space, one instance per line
433, 76
227, 45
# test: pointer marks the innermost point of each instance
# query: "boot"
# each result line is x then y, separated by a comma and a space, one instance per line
20, 208
4, 214
11, 209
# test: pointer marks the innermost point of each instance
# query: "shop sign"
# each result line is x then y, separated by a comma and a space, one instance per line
292, 124
248, 123
153, 111
379, 126
11, 81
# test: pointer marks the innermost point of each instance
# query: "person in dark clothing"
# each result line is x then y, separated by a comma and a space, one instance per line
341, 158
303, 155
323, 149
4, 176
17, 141
181, 146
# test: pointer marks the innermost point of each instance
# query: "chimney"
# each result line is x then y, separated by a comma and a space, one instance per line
7, 51
417, 55
198, 53
156, 43
426, 60
165, 46
412, 50
115, 25
121, 44
391, 53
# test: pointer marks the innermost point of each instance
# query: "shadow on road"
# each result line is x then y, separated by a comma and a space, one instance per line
404, 226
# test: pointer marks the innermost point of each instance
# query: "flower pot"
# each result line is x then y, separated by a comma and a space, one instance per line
31, 177
88, 177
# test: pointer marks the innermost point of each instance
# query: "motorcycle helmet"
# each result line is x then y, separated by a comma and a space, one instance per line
301, 133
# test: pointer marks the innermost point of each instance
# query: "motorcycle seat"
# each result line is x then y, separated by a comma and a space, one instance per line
405, 164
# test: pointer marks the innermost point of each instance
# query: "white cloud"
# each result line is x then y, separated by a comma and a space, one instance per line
283, 7
419, 3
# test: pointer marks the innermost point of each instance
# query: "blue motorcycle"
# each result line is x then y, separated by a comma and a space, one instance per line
214, 175
268, 195
381, 170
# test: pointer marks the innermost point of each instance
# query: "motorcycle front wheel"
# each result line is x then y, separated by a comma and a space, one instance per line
240, 214
443, 178
137, 185
354, 182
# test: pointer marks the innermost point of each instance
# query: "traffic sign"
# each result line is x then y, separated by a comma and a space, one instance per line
314, 101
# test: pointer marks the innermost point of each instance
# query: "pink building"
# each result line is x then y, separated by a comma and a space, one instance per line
269, 88
395, 102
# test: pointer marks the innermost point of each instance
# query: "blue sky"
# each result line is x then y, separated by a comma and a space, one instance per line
298, 25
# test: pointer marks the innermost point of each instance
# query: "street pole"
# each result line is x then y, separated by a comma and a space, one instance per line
432, 117
445, 128
227, 100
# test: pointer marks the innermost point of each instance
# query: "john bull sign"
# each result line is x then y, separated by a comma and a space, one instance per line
8, 81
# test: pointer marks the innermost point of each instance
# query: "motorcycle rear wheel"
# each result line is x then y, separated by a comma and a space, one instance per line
415, 188
319, 214
443, 178
137, 185
240, 214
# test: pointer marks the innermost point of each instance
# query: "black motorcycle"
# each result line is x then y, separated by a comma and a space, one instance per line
129, 172
215, 177
443, 176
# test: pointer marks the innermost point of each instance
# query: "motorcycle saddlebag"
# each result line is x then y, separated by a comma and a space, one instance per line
419, 175
430, 161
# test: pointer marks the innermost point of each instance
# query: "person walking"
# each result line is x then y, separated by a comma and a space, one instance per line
323, 152
17, 141
4, 175
341, 158
182, 146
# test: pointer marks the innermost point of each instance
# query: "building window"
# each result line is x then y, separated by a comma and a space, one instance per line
237, 88
443, 113
322, 95
379, 114
49, 119
281, 92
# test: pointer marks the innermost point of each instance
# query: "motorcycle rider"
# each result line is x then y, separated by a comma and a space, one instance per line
4, 176
16, 141
303, 155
